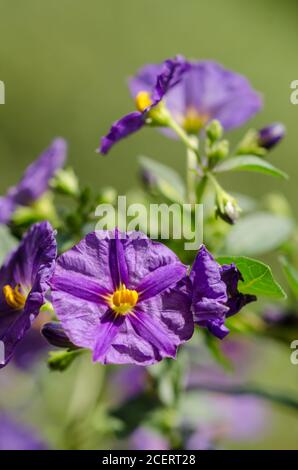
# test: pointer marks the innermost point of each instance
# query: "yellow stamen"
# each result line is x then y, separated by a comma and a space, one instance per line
194, 121
123, 300
14, 298
143, 100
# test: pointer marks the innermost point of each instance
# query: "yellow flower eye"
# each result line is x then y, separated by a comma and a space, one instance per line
123, 300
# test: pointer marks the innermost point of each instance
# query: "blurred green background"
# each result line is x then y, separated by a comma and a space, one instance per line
64, 64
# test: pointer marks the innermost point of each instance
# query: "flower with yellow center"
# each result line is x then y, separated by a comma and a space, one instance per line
193, 121
123, 300
14, 297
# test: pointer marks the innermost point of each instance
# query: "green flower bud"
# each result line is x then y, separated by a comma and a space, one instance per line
65, 182
214, 130
219, 150
227, 207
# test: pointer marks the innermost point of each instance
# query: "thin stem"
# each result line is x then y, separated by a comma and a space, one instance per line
201, 188
214, 181
191, 176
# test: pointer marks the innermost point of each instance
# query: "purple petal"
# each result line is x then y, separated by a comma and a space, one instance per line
106, 333
217, 328
173, 70
7, 208
143, 256
206, 278
161, 279
236, 301
122, 128
118, 266
147, 439
152, 330
79, 285
38, 175
90, 259
145, 79
17, 436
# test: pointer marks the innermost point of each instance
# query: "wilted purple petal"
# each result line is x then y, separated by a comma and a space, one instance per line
124, 127
35, 180
30, 266
215, 294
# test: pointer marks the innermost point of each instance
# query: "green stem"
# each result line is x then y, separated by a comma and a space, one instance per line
191, 176
214, 182
201, 189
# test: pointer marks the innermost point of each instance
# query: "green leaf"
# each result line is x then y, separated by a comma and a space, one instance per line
7, 242
61, 360
291, 274
258, 233
168, 182
257, 277
250, 163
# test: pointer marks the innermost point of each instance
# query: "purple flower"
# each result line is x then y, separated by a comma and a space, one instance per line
215, 293
123, 297
127, 382
206, 91
169, 74
144, 438
269, 136
35, 181
24, 279
18, 436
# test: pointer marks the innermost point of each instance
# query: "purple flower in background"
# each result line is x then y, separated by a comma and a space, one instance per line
144, 438
35, 181
122, 296
18, 436
127, 382
169, 74
206, 91
215, 293
269, 136
24, 279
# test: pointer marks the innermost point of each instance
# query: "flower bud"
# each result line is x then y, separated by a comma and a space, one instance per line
227, 208
55, 335
214, 130
269, 136
66, 182
219, 150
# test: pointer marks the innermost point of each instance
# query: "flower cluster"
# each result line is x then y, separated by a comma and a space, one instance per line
124, 297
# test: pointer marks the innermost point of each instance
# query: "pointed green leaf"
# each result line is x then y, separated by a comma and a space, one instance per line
258, 233
257, 277
250, 163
